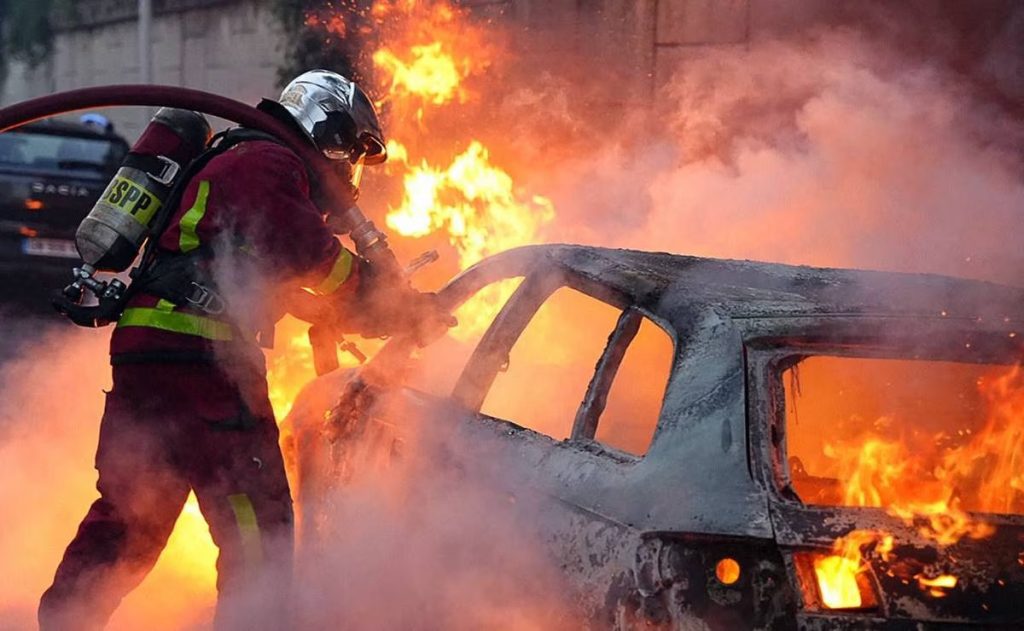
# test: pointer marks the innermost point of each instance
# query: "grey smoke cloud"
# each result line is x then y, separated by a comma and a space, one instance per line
835, 150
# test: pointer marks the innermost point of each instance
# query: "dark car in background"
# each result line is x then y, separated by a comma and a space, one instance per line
51, 173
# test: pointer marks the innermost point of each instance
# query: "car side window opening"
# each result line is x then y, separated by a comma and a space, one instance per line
887, 433
637, 391
585, 369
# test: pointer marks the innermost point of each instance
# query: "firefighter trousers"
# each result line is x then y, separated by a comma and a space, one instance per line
168, 429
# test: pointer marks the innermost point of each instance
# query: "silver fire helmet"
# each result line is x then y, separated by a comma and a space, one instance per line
337, 116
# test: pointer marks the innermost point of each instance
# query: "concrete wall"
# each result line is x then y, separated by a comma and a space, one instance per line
232, 48
638, 43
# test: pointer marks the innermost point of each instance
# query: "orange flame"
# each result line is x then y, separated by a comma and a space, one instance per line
430, 74
837, 579
878, 473
925, 487
474, 201
939, 483
936, 587
431, 50
837, 574
434, 51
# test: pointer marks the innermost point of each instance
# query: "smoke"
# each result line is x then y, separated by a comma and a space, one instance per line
49, 424
45, 488
834, 151
837, 151
419, 532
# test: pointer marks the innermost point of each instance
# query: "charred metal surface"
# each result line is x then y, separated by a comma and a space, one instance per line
674, 581
990, 579
639, 538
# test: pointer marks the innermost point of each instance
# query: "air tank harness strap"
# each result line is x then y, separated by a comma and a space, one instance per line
180, 278
160, 169
218, 144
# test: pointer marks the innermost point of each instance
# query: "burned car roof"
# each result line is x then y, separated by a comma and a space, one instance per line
665, 283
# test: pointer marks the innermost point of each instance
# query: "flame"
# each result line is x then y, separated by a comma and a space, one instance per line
837, 579
878, 470
432, 49
474, 201
430, 74
936, 586
924, 486
434, 52
478, 207
998, 448
837, 573
940, 483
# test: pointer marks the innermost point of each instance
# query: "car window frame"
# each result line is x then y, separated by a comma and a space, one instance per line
767, 360
492, 353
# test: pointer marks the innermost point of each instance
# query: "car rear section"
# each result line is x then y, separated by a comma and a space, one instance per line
892, 450
864, 569
50, 176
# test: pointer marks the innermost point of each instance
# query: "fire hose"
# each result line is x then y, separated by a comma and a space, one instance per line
345, 216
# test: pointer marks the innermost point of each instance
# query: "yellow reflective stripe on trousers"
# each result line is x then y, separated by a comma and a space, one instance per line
189, 240
339, 273
176, 322
248, 528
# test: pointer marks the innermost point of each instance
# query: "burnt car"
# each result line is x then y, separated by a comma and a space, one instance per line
707, 432
51, 173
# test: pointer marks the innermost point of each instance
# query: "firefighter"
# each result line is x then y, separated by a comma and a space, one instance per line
189, 409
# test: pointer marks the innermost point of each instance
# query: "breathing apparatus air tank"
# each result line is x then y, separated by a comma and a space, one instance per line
109, 238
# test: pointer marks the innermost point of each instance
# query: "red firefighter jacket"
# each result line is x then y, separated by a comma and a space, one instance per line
252, 206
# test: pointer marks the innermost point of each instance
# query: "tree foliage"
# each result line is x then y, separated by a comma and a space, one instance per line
26, 30
327, 34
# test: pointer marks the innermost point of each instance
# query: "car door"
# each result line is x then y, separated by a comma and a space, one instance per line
566, 366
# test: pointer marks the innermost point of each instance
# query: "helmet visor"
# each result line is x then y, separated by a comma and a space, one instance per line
337, 138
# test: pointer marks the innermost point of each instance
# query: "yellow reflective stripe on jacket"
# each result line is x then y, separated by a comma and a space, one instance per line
339, 273
248, 528
176, 322
189, 240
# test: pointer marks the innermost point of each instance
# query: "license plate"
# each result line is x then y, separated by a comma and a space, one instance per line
59, 248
